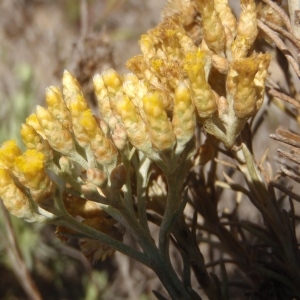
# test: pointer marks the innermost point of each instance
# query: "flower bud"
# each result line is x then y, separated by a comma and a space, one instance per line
58, 136
247, 30
33, 140
33, 121
9, 151
202, 95
57, 107
72, 92
184, 118
158, 124
101, 146
213, 30
133, 123
102, 98
246, 82
226, 15
30, 171
15, 200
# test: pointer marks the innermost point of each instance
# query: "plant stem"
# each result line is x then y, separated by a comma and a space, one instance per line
70, 222
172, 204
18, 265
142, 179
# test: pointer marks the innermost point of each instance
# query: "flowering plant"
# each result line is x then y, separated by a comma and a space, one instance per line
141, 157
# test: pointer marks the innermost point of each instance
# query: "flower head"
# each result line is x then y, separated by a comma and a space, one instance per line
8, 153
29, 169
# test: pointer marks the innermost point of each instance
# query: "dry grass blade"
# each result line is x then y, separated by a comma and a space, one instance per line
286, 137
282, 14
283, 32
284, 97
289, 156
290, 174
280, 44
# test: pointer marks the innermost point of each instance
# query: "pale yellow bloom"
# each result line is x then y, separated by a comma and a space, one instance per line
134, 125
58, 107
33, 121
102, 148
33, 140
15, 200
247, 30
158, 124
29, 168
9, 151
184, 118
213, 30
58, 136
102, 98
246, 83
203, 96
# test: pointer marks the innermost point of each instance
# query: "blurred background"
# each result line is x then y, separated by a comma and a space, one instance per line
38, 40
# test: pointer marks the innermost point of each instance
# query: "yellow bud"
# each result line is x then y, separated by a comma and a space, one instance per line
58, 136
213, 30
30, 170
246, 83
147, 42
88, 122
133, 123
138, 65
33, 140
112, 81
30, 137
119, 136
8, 153
101, 146
72, 91
15, 200
202, 95
135, 89
247, 30
33, 121
226, 15
184, 119
158, 124
57, 106
102, 98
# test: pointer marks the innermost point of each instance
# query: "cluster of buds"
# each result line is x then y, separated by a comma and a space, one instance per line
24, 183
179, 79
223, 78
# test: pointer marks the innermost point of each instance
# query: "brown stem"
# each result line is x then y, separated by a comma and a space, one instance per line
18, 265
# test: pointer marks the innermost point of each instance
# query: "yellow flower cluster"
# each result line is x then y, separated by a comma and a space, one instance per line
225, 79
24, 181
178, 80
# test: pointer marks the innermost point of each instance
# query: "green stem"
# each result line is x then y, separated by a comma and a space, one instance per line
169, 278
173, 201
159, 264
142, 180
